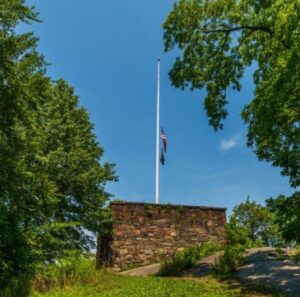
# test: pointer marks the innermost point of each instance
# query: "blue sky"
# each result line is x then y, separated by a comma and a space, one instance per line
107, 50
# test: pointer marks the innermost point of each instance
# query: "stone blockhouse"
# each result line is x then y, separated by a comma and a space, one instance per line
142, 232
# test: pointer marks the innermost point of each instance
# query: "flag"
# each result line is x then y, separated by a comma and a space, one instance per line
162, 157
164, 139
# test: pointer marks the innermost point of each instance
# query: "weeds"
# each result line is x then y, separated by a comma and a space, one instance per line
66, 272
18, 286
229, 262
296, 256
181, 261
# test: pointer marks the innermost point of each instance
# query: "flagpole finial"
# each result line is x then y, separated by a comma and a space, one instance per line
158, 59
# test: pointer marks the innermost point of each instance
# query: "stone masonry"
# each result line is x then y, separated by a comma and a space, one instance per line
141, 233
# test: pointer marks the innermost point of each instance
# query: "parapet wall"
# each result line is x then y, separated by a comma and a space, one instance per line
141, 232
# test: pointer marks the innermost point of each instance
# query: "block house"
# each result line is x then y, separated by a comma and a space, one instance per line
143, 232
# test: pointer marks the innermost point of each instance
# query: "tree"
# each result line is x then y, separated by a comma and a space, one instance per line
257, 220
51, 180
18, 61
287, 210
237, 234
218, 40
68, 160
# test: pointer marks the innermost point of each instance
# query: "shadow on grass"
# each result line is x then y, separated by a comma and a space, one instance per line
258, 290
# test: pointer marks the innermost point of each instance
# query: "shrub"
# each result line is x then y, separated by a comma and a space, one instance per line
74, 269
296, 256
236, 234
230, 261
17, 286
176, 264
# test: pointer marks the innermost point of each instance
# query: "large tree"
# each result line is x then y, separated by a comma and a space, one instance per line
51, 179
217, 40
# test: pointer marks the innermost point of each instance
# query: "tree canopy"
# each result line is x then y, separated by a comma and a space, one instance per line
51, 179
217, 40
258, 221
287, 215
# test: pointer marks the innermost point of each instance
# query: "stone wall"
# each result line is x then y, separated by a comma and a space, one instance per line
141, 232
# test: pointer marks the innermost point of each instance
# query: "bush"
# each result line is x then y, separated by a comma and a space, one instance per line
175, 265
17, 286
181, 261
236, 234
296, 256
230, 261
75, 269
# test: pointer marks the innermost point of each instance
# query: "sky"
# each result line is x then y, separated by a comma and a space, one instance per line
108, 51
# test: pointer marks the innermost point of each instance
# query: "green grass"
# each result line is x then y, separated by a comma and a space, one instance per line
77, 277
296, 256
110, 285
179, 262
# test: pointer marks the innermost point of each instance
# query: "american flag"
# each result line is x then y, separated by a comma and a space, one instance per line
162, 157
164, 139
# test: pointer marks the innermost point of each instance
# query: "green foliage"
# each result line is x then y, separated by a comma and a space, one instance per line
104, 284
51, 179
18, 286
287, 215
75, 269
149, 210
237, 234
250, 225
208, 248
18, 62
218, 40
256, 222
177, 264
77, 277
238, 239
117, 201
230, 261
296, 255
180, 210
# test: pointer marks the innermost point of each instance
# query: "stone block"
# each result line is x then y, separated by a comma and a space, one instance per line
144, 232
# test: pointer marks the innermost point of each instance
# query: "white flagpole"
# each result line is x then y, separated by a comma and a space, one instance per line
157, 133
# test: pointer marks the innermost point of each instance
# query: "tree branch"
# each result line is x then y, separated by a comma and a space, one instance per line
220, 49
227, 31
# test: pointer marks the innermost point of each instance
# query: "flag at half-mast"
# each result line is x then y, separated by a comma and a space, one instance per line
164, 139
164, 146
162, 157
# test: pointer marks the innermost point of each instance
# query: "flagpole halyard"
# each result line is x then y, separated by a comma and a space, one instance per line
157, 134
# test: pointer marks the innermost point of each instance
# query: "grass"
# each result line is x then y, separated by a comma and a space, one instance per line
105, 284
179, 262
77, 277
296, 255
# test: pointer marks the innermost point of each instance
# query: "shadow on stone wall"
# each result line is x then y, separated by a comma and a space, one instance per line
104, 254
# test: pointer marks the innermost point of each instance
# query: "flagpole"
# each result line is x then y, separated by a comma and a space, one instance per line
157, 133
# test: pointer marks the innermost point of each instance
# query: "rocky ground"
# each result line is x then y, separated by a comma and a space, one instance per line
262, 267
